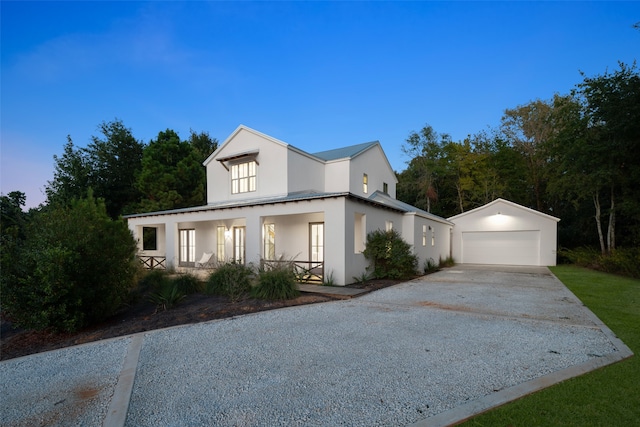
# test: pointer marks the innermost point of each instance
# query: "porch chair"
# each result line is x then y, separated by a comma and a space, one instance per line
207, 261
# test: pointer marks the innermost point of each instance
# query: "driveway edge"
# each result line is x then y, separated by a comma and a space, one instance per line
119, 405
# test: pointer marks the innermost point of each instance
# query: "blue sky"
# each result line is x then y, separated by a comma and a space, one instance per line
317, 75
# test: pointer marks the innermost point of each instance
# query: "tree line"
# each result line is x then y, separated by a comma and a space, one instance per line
575, 156
71, 262
131, 176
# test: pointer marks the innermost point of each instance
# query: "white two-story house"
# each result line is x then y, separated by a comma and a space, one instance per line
268, 200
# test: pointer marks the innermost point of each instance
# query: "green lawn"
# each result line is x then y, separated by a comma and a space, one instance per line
609, 396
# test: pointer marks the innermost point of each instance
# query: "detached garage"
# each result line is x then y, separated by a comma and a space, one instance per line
503, 232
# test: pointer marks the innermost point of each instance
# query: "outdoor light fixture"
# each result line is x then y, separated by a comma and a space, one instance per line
227, 234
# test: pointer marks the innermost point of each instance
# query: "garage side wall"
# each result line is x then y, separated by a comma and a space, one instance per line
504, 233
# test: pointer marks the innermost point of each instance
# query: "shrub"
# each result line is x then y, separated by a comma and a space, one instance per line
390, 255
231, 280
188, 284
623, 261
75, 267
276, 283
167, 296
430, 266
448, 262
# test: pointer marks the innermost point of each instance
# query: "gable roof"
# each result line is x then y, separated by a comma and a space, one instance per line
233, 134
345, 152
507, 202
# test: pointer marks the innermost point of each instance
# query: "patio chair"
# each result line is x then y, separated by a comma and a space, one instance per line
207, 261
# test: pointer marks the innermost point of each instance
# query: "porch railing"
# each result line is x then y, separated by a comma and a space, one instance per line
305, 271
153, 262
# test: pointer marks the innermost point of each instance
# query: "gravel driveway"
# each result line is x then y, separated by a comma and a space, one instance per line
431, 351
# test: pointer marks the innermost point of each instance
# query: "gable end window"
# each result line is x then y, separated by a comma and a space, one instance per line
365, 183
385, 188
243, 177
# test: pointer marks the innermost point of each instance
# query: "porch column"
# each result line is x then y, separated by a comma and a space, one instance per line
334, 241
171, 243
253, 237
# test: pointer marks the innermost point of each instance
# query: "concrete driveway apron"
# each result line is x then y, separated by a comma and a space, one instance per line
432, 352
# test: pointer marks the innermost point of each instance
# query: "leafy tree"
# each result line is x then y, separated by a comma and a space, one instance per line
172, 174
12, 233
390, 256
203, 144
612, 106
424, 149
108, 166
75, 267
115, 160
71, 176
528, 127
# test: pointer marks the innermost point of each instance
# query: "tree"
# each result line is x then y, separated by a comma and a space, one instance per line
612, 107
203, 144
172, 174
115, 161
75, 267
71, 176
528, 127
424, 149
108, 165
12, 233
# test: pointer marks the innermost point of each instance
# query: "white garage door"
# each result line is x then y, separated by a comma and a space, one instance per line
501, 247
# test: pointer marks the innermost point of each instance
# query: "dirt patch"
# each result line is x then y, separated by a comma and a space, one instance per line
144, 316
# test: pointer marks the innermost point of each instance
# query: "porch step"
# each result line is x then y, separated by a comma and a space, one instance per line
334, 291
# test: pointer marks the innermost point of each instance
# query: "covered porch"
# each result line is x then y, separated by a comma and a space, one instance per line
198, 247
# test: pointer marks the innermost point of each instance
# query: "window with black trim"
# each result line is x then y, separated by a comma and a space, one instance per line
149, 238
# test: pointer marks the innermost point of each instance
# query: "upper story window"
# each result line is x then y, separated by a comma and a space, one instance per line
365, 183
243, 177
385, 188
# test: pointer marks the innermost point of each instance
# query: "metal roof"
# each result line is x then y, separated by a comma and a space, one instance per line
344, 152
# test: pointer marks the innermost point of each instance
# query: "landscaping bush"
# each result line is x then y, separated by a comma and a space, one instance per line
76, 266
188, 284
231, 280
168, 295
390, 255
276, 284
623, 261
448, 262
430, 266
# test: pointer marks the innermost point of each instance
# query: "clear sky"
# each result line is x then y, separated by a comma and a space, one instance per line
317, 75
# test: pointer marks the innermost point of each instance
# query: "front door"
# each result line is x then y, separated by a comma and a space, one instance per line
239, 244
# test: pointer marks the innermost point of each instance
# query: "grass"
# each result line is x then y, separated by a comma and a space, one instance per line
609, 396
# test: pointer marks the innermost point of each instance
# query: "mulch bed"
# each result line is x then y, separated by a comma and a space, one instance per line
144, 316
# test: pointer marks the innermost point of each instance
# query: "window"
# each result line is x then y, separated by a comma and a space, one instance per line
388, 225
424, 235
316, 240
149, 238
365, 183
243, 177
238, 245
220, 232
433, 236
269, 241
187, 246
385, 188
359, 232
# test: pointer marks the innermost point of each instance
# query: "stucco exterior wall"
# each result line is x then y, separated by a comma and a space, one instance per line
271, 174
373, 163
434, 244
303, 173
